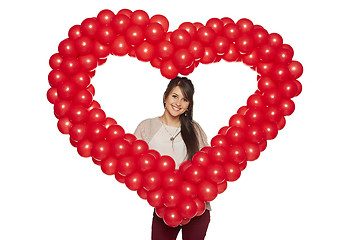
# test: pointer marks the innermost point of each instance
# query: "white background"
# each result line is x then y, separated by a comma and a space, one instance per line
304, 186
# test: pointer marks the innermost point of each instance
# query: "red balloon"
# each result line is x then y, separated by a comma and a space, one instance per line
252, 151
146, 162
133, 181
84, 45
260, 36
145, 52
254, 116
280, 73
89, 27
187, 208
190, 28
201, 206
187, 189
237, 120
152, 180
232, 171
109, 165
218, 155
163, 21
222, 187
155, 197
209, 55
165, 163
289, 89
101, 50
231, 31
219, 141
183, 58
215, 173
84, 147
232, 55
236, 154
55, 61
81, 79
216, 24
235, 135
196, 49
105, 16
172, 217
194, 173
126, 165
275, 40
171, 198
67, 48
67, 90
244, 44
134, 35
88, 62
180, 38
255, 101
78, 114
96, 132
266, 53
266, 83
140, 18
171, 180
201, 159
119, 46
96, 115
120, 147
114, 132
251, 59
101, 150
264, 69
296, 69
164, 50
139, 147
52, 95
283, 56
120, 23
74, 32
154, 32
270, 130
272, 96
105, 34
205, 35
255, 134
142, 193
70, 66
169, 70
221, 45
126, 12
61, 108
245, 25
273, 114
78, 131
120, 178
64, 125
207, 191
287, 106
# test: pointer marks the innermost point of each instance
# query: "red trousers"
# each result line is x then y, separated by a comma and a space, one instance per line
194, 230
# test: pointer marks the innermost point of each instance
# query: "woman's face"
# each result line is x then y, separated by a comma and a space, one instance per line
176, 103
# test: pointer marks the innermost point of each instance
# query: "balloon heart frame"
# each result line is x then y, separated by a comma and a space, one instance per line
177, 194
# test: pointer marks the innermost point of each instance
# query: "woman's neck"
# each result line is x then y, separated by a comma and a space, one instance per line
170, 120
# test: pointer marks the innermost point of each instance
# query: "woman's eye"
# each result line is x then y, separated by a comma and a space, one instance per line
186, 100
174, 96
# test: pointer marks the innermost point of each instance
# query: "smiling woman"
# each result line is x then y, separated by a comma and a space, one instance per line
175, 134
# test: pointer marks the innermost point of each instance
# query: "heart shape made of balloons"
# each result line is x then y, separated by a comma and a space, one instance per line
177, 194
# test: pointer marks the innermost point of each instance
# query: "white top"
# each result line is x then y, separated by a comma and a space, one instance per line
157, 135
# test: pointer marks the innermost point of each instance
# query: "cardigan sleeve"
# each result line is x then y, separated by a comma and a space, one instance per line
202, 138
140, 131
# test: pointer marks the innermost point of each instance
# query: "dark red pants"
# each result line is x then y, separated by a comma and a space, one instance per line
194, 230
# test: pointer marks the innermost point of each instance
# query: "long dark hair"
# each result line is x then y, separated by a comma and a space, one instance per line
188, 132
